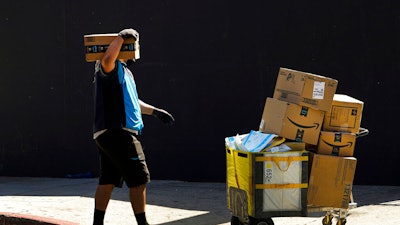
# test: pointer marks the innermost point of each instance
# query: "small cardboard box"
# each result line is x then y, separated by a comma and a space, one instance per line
97, 44
291, 121
345, 114
331, 181
305, 89
336, 143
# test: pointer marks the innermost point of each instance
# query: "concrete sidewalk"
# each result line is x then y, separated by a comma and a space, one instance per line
170, 203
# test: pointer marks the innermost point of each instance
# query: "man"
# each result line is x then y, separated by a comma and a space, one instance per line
117, 126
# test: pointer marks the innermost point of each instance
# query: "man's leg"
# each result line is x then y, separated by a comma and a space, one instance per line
137, 196
101, 199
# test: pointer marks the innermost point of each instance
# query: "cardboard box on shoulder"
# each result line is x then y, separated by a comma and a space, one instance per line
331, 181
305, 89
97, 44
291, 121
345, 114
336, 143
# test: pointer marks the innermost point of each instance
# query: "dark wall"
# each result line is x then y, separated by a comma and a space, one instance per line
210, 63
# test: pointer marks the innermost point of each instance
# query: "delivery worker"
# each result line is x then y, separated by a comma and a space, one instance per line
117, 127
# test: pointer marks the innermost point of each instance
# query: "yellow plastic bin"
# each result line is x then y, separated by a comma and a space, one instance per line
264, 185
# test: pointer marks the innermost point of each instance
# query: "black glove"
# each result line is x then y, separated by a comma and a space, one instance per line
128, 33
164, 116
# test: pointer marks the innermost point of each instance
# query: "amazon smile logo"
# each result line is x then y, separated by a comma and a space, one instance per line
315, 125
349, 144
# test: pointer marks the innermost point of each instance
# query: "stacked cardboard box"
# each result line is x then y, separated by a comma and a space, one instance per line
341, 126
331, 181
306, 108
298, 106
335, 152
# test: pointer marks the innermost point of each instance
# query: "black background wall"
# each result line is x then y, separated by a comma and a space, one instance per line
210, 63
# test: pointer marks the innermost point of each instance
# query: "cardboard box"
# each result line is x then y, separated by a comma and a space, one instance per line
345, 114
265, 185
331, 181
305, 89
336, 143
291, 121
97, 44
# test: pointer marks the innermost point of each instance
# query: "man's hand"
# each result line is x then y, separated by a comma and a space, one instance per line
164, 116
128, 33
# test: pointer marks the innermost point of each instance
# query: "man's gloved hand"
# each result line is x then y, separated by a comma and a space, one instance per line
164, 116
128, 33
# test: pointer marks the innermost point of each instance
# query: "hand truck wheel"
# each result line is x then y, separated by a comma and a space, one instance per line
264, 221
341, 221
235, 221
327, 220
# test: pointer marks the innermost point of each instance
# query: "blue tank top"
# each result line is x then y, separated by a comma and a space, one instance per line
116, 100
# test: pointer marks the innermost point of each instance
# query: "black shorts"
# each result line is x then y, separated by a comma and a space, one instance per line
121, 159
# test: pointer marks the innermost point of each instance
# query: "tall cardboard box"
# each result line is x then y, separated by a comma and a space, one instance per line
331, 181
345, 114
97, 44
305, 89
291, 121
336, 143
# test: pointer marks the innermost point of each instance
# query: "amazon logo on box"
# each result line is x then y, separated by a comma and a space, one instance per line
292, 121
336, 143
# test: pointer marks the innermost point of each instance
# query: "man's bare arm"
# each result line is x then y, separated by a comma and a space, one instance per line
111, 54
